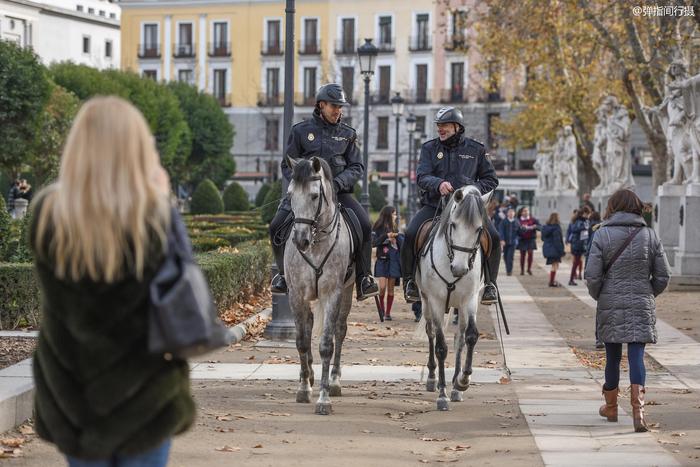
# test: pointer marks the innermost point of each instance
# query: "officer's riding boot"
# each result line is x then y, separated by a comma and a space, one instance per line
410, 288
365, 283
494, 260
279, 284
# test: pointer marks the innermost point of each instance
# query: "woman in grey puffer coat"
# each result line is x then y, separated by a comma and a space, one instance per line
626, 311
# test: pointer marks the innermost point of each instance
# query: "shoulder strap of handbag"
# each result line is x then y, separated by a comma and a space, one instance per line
617, 254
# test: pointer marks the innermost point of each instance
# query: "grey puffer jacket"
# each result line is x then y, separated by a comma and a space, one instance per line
626, 306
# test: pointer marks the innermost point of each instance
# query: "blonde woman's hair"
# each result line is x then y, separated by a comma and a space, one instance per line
101, 217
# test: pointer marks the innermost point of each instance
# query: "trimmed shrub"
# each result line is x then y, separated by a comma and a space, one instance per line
262, 192
236, 198
206, 199
21, 252
19, 296
5, 227
376, 197
270, 209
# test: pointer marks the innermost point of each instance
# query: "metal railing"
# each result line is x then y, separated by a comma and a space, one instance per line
223, 100
272, 48
418, 96
310, 48
386, 47
423, 43
183, 50
303, 100
148, 51
456, 42
219, 49
453, 95
270, 100
345, 47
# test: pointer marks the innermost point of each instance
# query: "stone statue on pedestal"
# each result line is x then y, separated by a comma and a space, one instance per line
556, 160
689, 99
543, 166
567, 161
600, 141
617, 153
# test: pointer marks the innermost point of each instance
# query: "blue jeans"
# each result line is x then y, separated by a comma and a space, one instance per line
635, 358
156, 457
508, 253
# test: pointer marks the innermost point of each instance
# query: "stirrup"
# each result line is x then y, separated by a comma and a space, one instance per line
367, 288
410, 291
279, 284
490, 295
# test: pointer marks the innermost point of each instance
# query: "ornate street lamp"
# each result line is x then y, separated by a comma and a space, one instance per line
397, 103
367, 53
411, 127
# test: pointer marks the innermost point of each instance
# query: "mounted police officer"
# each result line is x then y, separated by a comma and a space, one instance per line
325, 136
447, 163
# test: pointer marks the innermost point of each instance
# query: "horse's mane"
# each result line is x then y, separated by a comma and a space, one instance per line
304, 170
471, 208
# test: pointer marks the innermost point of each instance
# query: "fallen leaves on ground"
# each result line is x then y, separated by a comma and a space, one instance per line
505, 379
227, 448
459, 447
276, 414
239, 312
433, 439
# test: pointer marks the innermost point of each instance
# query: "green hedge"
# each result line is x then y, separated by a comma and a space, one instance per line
19, 296
236, 198
206, 199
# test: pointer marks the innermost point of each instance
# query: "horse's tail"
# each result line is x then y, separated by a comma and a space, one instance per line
319, 318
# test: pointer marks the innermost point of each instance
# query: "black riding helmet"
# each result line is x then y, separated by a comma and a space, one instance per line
450, 115
332, 93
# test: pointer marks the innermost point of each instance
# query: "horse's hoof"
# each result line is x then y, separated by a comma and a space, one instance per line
462, 385
304, 396
442, 404
335, 390
430, 385
456, 396
324, 408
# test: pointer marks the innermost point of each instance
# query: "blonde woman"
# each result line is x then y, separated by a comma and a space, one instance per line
99, 235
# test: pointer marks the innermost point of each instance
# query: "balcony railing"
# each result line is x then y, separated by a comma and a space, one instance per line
272, 48
183, 50
380, 98
149, 51
422, 43
454, 95
270, 100
418, 96
310, 48
224, 100
219, 49
456, 43
345, 47
303, 100
387, 46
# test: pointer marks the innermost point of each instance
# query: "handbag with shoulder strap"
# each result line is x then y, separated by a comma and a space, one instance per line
617, 254
183, 320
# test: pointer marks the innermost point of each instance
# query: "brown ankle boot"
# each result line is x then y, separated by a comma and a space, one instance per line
637, 399
609, 409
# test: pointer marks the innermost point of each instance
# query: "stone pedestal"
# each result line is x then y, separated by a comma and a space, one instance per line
667, 218
687, 261
599, 198
560, 201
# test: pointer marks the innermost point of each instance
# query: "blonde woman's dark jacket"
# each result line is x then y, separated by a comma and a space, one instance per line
99, 392
626, 306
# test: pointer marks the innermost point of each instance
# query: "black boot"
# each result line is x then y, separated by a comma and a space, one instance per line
279, 284
365, 283
490, 295
410, 290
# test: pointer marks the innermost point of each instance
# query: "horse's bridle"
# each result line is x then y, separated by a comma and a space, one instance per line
318, 270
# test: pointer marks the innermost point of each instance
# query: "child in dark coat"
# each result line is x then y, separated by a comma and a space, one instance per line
508, 230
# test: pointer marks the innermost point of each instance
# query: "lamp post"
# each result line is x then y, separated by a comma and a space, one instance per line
367, 53
411, 127
416, 145
397, 110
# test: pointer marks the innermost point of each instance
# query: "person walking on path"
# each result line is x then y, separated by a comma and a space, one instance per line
99, 235
627, 269
387, 267
553, 246
527, 238
578, 239
508, 230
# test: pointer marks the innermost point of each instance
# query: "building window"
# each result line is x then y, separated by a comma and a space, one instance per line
150, 41
457, 82
348, 81
382, 132
385, 41
421, 83
272, 131
102, 13
112, 16
79, 8
422, 32
219, 88
273, 86
310, 44
221, 48
108, 49
384, 83
274, 41
348, 36
184, 46
86, 44
492, 140
381, 166
309, 85
91, 11
493, 80
185, 76
151, 74
420, 124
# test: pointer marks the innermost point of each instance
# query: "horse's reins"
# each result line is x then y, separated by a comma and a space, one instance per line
318, 270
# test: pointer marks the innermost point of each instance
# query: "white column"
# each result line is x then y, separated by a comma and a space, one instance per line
167, 52
202, 84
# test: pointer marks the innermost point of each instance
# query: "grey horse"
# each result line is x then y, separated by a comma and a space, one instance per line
449, 275
317, 263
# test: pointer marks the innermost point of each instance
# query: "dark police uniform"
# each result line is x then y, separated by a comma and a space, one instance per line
461, 161
336, 144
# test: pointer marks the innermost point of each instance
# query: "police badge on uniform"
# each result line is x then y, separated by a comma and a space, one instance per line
311, 137
440, 155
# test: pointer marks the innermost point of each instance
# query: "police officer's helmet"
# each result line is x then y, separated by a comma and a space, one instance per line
332, 93
450, 115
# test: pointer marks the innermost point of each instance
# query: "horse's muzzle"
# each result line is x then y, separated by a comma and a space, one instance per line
301, 240
459, 270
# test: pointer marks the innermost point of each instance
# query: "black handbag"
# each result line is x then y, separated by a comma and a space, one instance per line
183, 322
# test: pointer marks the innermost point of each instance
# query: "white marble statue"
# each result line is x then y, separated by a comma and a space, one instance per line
543, 166
677, 125
568, 170
617, 152
688, 91
600, 140
556, 160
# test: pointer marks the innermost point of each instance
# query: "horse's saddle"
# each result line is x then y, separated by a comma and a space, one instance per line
425, 231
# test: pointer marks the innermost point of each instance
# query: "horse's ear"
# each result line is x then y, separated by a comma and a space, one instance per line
459, 195
291, 162
316, 164
485, 198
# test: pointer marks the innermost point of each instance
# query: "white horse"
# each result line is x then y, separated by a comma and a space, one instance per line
317, 262
449, 275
